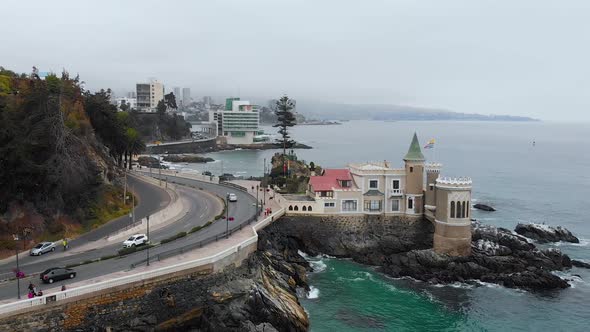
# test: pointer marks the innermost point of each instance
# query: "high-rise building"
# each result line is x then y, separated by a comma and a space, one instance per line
148, 95
177, 95
186, 96
238, 122
131, 94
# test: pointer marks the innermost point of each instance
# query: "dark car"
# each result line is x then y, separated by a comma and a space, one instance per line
57, 273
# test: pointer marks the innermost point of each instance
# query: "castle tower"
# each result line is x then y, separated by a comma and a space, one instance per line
452, 229
414, 164
432, 173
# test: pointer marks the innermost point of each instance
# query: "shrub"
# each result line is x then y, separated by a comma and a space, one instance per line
174, 237
195, 229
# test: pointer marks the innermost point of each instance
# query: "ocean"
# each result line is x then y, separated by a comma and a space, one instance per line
545, 182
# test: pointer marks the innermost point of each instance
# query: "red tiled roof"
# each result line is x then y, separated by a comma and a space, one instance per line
329, 180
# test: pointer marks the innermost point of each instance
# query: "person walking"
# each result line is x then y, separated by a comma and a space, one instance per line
64, 242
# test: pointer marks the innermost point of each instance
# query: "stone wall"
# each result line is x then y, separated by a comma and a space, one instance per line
366, 238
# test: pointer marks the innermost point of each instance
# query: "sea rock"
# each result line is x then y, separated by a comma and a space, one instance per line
577, 263
402, 250
545, 233
483, 207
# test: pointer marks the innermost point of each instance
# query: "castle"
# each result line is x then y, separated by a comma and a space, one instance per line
375, 188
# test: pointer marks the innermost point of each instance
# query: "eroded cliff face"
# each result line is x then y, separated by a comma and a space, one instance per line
402, 248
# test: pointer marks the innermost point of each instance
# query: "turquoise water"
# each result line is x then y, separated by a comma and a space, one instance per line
548, 182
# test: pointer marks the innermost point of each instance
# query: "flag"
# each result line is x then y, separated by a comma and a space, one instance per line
430, 144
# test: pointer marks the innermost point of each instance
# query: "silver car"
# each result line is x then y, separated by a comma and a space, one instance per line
42, 248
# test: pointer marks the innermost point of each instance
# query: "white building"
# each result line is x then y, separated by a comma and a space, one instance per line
132, 102
237, 123
148, 95
186, 96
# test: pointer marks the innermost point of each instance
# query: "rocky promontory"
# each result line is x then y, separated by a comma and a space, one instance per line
187, 158
544, 233
402, 248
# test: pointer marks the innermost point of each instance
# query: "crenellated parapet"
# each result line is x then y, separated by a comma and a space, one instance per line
433, 167
452, 182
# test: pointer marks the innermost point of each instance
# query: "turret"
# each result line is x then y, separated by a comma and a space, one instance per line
452, 231
414, 164
432, 173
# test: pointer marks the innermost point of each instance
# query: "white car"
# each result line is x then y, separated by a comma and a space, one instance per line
232, 197
42, 248
135, 240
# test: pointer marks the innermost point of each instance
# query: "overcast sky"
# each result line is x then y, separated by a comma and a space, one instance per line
528, 57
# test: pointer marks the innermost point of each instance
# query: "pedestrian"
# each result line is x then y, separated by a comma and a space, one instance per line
63, 287
31, 287
64, 242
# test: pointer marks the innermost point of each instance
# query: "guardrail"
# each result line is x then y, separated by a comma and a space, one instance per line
78, 291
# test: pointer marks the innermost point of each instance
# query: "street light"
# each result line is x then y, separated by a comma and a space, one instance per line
148, 241
257, 208
15, 236
227, 216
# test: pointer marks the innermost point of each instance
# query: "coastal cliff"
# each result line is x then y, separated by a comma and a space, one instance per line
402, 248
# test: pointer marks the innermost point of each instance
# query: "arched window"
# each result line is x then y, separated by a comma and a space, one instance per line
464, 214
467, 214
453, 209
309, 208
304, 208
296, 208
290, 207
458, 213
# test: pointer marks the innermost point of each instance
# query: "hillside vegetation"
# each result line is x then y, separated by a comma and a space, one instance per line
59, 150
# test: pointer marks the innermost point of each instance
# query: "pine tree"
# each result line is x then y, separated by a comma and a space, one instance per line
285, 119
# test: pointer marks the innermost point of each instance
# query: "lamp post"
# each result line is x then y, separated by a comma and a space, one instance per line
227, 216
257, 202
148, 240
15, 236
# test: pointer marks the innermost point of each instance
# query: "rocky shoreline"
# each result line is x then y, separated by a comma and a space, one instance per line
402, 248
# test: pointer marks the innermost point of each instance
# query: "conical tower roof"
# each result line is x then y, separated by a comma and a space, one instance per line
414, 153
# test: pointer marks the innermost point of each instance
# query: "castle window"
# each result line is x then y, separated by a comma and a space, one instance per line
330, 204
349, 205
309, 208
304, 208
410, 203
431, 186
395, 184
452, 209
395, 205
290, 207
296, 208
411, 169
373, 184
467, 215
464, 210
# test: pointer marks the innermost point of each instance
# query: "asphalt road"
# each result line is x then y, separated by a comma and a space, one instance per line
203, 208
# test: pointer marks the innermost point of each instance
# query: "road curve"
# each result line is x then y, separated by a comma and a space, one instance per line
204, 206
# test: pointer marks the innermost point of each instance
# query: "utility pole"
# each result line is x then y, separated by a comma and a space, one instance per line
125, 189
257, 201
133, 206
227, 216
15, 236
160, 169
148, 240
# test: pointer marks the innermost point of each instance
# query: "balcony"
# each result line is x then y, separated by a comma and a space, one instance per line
373, 210
396, 192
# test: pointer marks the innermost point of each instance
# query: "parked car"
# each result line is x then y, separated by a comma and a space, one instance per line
232, 197
57, 273
42, 248
207, 173
135, 240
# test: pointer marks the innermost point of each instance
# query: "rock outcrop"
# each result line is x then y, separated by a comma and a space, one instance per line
544, 233
403, 249
483, 207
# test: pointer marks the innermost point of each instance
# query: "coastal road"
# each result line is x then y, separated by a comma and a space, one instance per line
151, 199
204, 207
